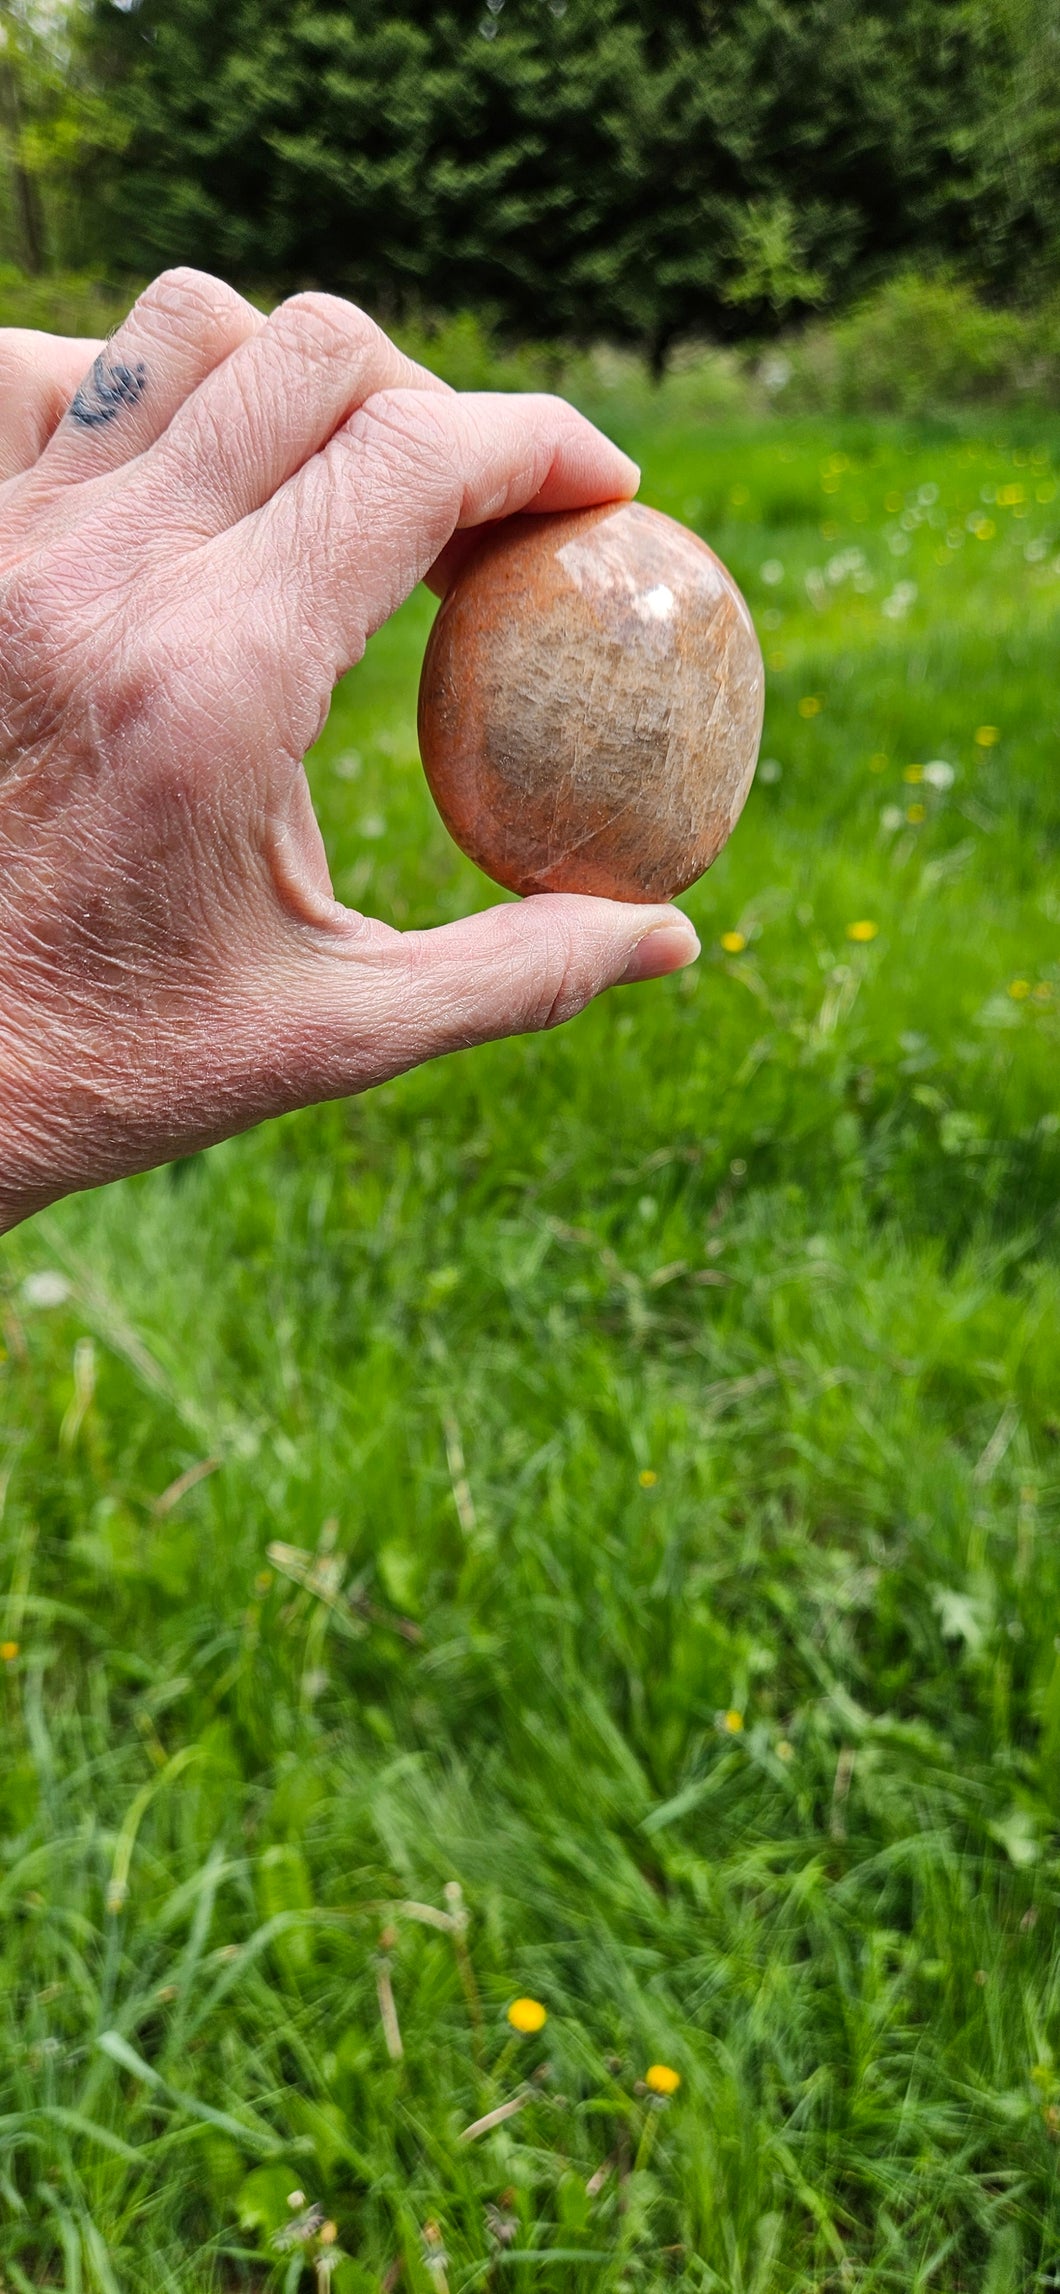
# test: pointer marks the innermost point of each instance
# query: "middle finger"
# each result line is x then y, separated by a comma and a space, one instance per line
272, 406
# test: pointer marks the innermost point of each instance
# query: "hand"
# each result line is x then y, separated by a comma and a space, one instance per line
190, 556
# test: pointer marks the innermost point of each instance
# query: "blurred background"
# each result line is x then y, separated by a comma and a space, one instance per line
579, 1526
542, 171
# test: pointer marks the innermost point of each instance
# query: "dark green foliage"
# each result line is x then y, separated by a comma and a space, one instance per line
585, 167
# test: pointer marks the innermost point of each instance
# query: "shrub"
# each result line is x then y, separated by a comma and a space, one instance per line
922, 345
65, 303
917, 346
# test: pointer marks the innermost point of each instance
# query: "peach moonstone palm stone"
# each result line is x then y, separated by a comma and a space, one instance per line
591, 704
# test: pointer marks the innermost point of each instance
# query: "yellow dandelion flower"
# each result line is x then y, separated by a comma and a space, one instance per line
733, 1721
880, 762
733, 943
648, 1478
527, 2015
661, 2079
985, 530
8, 1651
913, 773
1019, 990
863, 930
811, 704
785, 1751
987, 736
916, 813
328, 2233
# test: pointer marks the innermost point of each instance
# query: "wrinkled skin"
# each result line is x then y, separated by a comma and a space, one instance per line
201, 523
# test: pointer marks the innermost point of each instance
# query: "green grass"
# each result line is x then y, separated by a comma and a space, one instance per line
665, 1415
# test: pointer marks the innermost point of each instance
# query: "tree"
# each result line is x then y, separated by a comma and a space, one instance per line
26, 75
51, 118
573, 167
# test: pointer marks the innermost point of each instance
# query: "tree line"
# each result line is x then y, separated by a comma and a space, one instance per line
640, 169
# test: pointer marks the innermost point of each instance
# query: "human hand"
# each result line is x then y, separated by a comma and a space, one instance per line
191, 556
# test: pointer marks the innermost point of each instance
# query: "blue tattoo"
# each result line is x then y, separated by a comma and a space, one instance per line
106, 391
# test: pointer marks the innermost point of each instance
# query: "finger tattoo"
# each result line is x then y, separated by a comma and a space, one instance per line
105, 391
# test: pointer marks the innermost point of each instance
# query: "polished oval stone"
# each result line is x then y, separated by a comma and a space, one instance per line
591, 704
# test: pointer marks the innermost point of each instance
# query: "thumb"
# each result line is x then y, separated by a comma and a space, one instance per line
380, 1002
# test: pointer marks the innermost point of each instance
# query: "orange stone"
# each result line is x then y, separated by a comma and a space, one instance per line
591, 704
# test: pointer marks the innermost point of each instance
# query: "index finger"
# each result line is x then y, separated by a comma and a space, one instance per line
450, 562
340, 545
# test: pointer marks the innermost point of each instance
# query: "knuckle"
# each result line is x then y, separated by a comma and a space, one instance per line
414, 426
554, 424
563, 990
192, 302
326, 326
547, 981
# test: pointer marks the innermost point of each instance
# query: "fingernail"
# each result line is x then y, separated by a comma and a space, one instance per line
666, 948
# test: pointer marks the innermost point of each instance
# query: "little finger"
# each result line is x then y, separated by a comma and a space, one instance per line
39, 374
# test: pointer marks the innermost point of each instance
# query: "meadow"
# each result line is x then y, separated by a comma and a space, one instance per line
580, 1524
